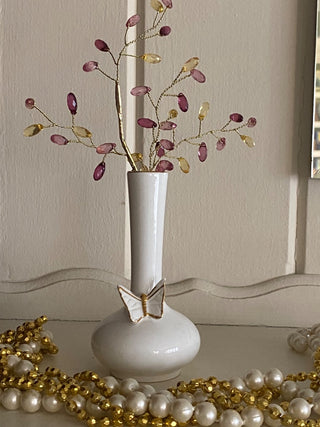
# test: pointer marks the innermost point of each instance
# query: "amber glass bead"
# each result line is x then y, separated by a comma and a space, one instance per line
184, 165
33, 130
157, 6
190, 64
151, 58
204, 108
81, 132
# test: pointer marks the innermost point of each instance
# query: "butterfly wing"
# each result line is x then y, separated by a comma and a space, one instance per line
155, 300
132, 303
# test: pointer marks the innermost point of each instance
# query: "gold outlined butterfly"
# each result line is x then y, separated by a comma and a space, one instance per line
147, 305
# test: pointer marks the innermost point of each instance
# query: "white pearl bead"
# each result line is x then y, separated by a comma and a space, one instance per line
270, 421
26, 348
199, 396
147, 390
254, 379
118, 400
181, 410
186, 395
50, 403
10, 399
80, 401
30, 401
159, 405
306, 393
89, 384
168, 395
316, 406
12, 360
111, 382
127, 385
299, 408
314, 328
289, 390
23, 367
35, 345
273, 378
137, 402
205, 413
230, 418
252, 416
298, 342
238, 383
94, 410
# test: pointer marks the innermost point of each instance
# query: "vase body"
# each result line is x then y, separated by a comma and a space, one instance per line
153, 349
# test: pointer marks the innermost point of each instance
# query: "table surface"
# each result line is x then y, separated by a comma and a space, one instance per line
226, 351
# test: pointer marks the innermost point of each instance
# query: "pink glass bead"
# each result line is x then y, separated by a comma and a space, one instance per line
202, 152
198, 76
165, 31
146, 123
167, 3
252, 122
99, 171
183, 102
164, 165
236, 117
140, 90
72, 103
166, 144
59, 139
90, 66
221, 143
29, 103
133, 20
101, 45
167, 125
160, 152
105, 148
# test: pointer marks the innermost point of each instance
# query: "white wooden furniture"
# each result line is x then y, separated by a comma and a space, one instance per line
240, 328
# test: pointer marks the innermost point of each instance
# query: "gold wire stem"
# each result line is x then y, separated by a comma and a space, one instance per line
120, 125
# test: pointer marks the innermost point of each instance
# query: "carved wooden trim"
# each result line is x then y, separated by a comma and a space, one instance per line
91, 294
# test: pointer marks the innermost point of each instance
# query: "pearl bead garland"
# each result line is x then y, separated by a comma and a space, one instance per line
240, 402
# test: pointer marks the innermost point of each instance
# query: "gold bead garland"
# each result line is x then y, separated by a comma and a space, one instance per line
93, 389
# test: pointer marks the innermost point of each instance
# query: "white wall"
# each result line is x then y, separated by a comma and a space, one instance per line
231, 220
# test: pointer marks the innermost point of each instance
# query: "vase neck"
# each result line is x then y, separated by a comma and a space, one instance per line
147, 198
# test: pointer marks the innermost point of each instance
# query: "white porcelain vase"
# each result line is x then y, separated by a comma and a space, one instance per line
158, 345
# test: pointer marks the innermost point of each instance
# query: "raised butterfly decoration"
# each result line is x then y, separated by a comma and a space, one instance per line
147, 305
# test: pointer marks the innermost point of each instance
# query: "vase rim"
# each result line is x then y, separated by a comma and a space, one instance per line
150, 172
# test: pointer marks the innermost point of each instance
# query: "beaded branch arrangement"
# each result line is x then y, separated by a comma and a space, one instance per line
104, 401
165, 143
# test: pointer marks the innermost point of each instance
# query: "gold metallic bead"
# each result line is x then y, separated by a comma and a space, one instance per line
207, 387
117, 411
291, 377
91, 421
95, 397
225, 385
71, 405
144, 419
193, 421
249, 398
182, 386
284, 405
235, 395
268, 394
81, 413
129, 418
311, 423
274, 413
105, 405
300, 423
314, 385
173, 390
312, 376
117, 423
157, 422
104, 422
84, 391
286, 420
170, 422
302, 376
